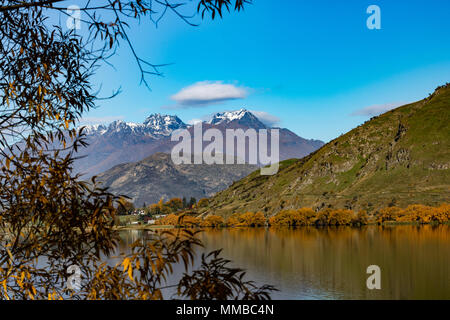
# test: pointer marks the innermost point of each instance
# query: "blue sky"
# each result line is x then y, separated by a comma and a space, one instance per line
312, 65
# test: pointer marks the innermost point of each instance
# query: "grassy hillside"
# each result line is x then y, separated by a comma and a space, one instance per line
398, 158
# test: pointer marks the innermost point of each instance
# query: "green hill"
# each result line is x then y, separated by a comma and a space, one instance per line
398, 158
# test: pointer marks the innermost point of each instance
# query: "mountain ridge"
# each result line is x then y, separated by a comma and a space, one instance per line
397, 158
155, 125
122, 142
241, 116
157, 177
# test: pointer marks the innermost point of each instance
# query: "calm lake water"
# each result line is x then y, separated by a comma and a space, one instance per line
331, 263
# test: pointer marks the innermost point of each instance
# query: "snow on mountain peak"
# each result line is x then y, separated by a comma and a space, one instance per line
242, 115
94, 128
155, 125
158, 125
163, 124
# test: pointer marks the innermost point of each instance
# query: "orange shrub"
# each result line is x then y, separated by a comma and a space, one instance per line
280, 219
213, 221
248, 219
361, 218
340, 217
307, 215
416, 213
174, 204
322, 217
169, 220
154, 208
183, 221
186, 221
233, 220
388, 214
441, 214
289, 218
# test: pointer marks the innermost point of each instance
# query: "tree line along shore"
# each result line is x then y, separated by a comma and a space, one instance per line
179, 213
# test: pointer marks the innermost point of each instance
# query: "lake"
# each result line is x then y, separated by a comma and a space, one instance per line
331, 263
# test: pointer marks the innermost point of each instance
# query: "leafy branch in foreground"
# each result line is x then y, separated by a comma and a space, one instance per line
50, 219
145, 273
109, 20
216, 280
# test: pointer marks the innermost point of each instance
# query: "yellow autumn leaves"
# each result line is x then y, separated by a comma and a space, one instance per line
128, 267
308, 217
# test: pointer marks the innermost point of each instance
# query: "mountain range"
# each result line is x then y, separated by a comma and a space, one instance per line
399, 158
124, 142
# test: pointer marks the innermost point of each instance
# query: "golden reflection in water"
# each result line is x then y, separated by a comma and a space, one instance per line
331, 263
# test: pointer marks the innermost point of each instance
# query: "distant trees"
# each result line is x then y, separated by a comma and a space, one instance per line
181, 221
213, 221
203, 203
388, 214
361, 218
415, 213
248, 219
340, 217
154, 209
293, 218
192, 203
343, 217
169, 220
159, 208
309, 217
125, 207
173, 205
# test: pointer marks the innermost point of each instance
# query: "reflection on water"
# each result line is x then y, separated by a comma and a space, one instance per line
331, 263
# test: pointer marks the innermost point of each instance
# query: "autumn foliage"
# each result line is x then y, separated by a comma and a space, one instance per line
203, 203
213, 221
248, 219
415, 213
308, 217
343, 217
293, 218
169, 220
51, 218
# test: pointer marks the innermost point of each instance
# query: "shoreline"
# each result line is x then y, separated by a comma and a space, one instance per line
385, 224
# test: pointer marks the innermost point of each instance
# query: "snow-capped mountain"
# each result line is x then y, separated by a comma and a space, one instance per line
242, 117
95, 129
164, 125
122, 142
156, 126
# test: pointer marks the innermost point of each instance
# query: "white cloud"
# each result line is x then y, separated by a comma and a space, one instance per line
376, 110
207, 92
266, 118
